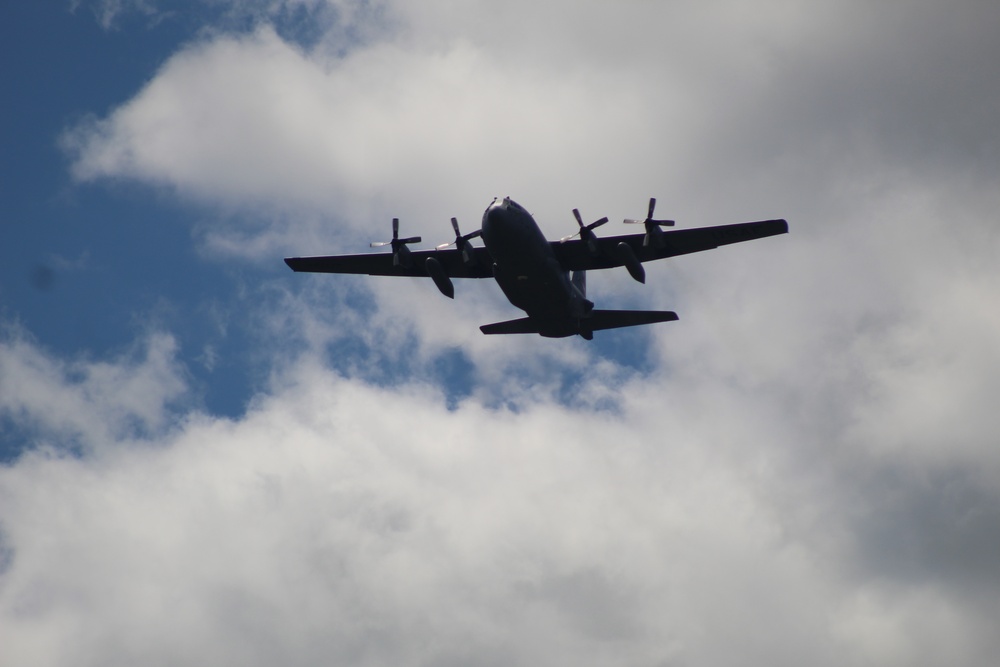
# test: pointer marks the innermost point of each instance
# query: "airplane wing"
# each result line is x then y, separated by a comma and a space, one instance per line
381, 264
572, 255
576, 255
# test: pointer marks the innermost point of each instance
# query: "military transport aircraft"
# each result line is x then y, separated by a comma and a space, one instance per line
546, 279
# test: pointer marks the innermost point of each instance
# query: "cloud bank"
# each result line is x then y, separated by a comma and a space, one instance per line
342, 522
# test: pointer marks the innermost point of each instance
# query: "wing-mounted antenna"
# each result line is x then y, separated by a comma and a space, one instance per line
654, 235
400, 253
461, 242
586, 233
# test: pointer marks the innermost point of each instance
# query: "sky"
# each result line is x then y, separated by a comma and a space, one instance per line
208, 459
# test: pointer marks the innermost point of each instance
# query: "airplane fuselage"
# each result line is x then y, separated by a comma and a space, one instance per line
526, 268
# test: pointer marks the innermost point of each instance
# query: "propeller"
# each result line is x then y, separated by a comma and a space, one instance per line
461, 242
400, 253
586, 232
653, 232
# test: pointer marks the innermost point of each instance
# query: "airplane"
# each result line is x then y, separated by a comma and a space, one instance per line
546, 279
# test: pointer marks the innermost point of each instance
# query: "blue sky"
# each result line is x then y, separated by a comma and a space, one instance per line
204, 454
88, 267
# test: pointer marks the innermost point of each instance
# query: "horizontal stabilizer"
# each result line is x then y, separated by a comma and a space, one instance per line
522, 326
596, 321
615, 319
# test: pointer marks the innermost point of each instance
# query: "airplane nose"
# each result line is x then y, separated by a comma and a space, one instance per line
493, 214
495, 217
495, 208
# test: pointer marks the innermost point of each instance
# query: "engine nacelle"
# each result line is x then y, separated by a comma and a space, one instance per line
440, 278
631, 262
401, 256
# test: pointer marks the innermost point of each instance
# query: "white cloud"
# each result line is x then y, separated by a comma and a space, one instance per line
89, 402
252, 119
346, 522
723, 113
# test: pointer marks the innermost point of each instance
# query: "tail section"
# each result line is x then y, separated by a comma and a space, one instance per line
597, 320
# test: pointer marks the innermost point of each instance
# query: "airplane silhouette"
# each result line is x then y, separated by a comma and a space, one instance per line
546, 279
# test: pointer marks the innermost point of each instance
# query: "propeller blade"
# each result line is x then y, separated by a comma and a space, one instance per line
649, 222
460, 239
586, 231
593, 225
396, 242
